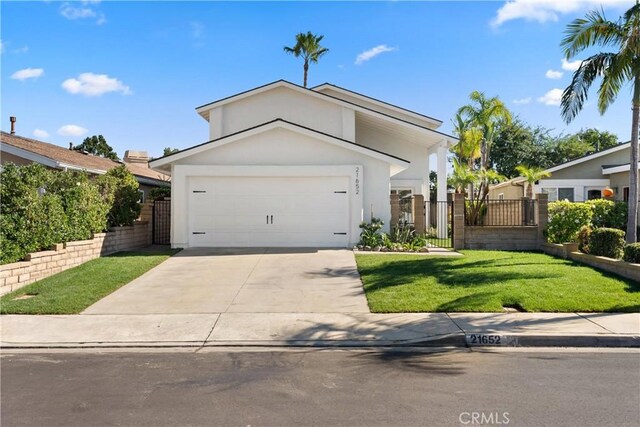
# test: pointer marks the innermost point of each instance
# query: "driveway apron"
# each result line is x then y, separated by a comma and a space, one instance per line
251, 280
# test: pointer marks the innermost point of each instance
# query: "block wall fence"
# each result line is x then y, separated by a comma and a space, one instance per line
63, 256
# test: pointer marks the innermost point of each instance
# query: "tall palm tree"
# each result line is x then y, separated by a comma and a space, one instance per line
308, 46
467, 150
616, 68
531, 175
485, 114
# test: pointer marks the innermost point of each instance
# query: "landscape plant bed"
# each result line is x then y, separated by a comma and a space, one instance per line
492, 281
73, 290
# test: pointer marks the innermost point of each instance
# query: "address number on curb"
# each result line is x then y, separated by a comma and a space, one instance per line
491, 340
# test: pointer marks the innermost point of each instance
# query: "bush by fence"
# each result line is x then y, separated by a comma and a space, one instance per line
40, 207
607, 242
567, 219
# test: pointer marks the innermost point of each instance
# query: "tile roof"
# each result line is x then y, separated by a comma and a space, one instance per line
76, 158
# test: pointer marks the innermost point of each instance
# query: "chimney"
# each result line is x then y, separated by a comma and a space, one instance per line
12, 119
138, 157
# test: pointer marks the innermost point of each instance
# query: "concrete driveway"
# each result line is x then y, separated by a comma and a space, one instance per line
256, 280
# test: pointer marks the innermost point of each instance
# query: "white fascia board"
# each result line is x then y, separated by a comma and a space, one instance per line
617, 169
28, 155
281, 83
379, 103
572, 182
80, 168
589, 157
398, 165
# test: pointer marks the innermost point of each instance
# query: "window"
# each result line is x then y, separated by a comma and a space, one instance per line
566, 194
594, 194
625, 194
501, 196
552, 192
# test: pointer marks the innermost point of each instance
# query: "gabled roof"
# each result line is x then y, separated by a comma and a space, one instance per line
203, 110
609, 169
399, 163
376, 102
58, 157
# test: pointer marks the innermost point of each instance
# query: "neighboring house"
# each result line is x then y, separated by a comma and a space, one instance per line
578, 180
291, 166
21, 151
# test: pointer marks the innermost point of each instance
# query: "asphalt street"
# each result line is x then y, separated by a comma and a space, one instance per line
321, 387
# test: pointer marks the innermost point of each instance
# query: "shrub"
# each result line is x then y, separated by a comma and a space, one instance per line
31, 218
632, 253
607, 242
159, 192
566, 219
607, 213
370, 234
583, 239
121, 186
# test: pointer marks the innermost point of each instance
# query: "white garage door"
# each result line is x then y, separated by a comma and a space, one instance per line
268, 211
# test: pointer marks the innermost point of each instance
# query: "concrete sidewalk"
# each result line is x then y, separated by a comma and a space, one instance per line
321, 329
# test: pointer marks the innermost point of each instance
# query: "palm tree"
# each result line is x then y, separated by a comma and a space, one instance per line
308, 46
485, 114
467, 150
531, 175
620, 66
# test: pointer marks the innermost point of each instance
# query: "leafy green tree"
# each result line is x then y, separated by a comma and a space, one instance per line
97, 146
308, 46
598, 140
615, 68
531, 174
168, 150
517, 143
567, 148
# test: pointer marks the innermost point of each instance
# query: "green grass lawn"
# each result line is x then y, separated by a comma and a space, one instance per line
487, 281
73, 290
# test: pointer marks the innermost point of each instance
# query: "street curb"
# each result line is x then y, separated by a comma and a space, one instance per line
455, 340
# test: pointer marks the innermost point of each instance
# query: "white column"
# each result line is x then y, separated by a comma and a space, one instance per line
441, 170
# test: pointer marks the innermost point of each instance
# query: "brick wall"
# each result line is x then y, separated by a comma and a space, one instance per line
39, 265
501, 238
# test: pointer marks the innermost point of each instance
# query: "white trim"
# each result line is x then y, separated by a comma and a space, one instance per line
282, 83
182, 173
589, 157
378, 103
617, 169
578, 185
397, 165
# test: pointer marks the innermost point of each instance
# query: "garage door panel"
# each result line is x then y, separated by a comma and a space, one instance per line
268, 211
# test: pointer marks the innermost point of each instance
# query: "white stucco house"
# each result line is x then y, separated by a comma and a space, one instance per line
291, 166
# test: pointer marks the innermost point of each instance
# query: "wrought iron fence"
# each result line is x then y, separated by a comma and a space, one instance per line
162, 222
439, 223
496, 212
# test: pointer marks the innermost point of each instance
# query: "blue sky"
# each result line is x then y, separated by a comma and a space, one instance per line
135, 71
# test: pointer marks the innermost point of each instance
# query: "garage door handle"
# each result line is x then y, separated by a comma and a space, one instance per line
199, 232
271, 219
340, 192
339, 234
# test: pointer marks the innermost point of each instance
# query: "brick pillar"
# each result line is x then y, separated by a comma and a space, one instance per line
395, 210
542, 215
458, 221
419, 217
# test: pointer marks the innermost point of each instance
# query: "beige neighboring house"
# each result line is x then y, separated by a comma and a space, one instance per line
578, 180
22, 151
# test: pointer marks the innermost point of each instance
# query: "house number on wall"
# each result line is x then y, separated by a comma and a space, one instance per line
357, 180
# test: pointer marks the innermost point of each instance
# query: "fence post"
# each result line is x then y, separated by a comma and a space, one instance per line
543, 215
458, 221
395, 210
419, 218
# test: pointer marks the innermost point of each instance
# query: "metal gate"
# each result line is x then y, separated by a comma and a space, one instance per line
162, 222
439, 224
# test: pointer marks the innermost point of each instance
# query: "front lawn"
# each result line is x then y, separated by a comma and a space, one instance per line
73, 290
487, 281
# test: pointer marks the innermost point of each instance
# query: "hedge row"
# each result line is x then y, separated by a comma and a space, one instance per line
566, 219
40, 207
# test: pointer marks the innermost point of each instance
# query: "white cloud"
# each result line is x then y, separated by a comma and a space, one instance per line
571, 66
522, 101
3, 46
82, 10
548, 10
372, 53
23, 49
553, 74
39, 133
27, 73
552, 97
72, 130
90, 84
